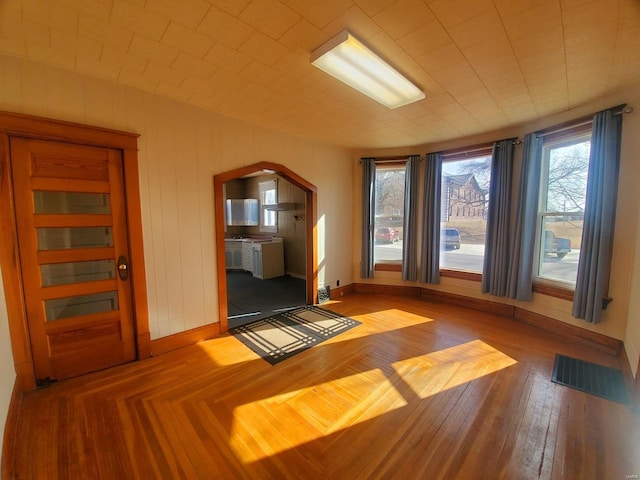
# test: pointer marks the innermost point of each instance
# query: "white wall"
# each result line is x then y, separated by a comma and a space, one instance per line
621, 319
181, 148
7, 372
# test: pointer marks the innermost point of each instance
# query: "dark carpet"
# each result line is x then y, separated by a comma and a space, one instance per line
249, 298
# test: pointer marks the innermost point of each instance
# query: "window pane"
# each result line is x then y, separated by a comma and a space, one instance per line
74, 272
389, 211
563, 197
74, 237
81, 305
560, 248
71, 202
465, 197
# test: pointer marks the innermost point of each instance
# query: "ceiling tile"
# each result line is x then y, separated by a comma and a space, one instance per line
319, 13
194, 66
224, 57
403, 17
154, 51
232, 7
452, 13
96, 29
224, 28
186, 40
186, 12
262, 48
138, 20
123, 60
269, 17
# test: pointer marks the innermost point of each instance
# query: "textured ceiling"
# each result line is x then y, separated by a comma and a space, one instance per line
483, 64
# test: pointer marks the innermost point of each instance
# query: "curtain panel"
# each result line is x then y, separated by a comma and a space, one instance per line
594, 265
409, 226
520, 278
497, 249
430, 248
368, 217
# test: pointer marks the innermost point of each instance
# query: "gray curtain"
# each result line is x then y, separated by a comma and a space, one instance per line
430, 263
594, 266
409, 226
497, 252
520, 276
368, 216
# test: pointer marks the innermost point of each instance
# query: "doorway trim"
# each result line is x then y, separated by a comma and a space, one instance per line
26, 126
311, 230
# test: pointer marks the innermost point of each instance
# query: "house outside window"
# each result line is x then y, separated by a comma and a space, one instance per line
563, 189
389, 213
268, 192
465, 195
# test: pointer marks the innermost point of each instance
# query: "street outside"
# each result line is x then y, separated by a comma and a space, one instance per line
470, 257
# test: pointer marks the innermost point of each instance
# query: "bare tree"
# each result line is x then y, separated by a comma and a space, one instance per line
567, 178
389, 190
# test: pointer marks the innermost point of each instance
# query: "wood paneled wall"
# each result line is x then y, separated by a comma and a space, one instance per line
181, 148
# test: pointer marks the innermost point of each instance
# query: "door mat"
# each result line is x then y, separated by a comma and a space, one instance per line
604, 382
283, 335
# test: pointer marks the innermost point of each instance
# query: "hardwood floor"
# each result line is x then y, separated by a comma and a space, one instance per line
419, 390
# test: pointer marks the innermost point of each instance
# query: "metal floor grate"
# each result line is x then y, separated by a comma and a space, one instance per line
591, 378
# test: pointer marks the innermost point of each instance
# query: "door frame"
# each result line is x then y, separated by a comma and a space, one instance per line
27, 126
311, 229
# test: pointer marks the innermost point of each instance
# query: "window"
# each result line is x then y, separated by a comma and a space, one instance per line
268, 199
565, 166
465, 195
389, 213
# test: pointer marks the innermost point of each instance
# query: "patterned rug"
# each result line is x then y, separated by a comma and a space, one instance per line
283, 335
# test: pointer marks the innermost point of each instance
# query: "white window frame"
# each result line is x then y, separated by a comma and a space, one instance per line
268, 192
544, 213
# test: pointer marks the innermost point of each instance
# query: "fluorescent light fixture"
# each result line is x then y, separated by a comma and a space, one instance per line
347, 59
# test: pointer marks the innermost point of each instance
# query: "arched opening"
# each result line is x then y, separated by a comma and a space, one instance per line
310, 229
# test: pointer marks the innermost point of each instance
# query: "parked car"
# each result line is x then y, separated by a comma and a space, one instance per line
386, 235
450, 238
556, 245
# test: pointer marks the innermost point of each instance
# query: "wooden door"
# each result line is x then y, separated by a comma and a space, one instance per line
72, 232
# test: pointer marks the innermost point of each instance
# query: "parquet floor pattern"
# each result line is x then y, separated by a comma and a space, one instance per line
419, 391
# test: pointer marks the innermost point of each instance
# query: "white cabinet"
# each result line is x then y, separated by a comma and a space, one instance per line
247, 256
233, 254
268, 259
242, 211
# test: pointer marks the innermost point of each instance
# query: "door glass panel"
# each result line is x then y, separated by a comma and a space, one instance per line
81, 305
71, 202
74, 237
62, 273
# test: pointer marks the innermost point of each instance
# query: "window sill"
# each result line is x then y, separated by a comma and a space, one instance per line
552, 291
548, 290
472, 276
388, 267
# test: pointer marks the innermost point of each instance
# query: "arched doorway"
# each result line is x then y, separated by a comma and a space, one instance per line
311, 232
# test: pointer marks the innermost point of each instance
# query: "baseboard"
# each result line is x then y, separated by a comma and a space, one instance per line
299, 276
402, 290
604, 343
468, 302
10, 429
337, 292
184, 339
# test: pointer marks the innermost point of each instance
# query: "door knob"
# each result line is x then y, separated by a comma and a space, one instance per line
123, 267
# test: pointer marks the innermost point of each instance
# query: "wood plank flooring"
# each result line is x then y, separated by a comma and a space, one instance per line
420, 390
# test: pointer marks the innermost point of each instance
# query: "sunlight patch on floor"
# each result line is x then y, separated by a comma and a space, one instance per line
439, 371
335, 405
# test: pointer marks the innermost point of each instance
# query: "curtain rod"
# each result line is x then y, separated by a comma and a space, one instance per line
581, 122
390, 159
